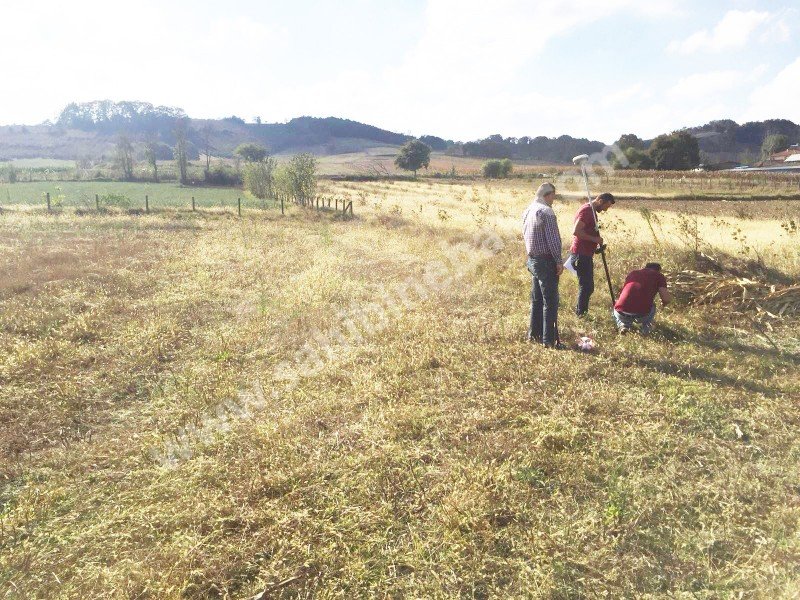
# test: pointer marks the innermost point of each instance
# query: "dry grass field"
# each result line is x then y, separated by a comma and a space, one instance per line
194, 405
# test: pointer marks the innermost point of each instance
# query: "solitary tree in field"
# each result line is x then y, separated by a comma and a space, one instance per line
774, 143
125, 156
251, 152
413, 155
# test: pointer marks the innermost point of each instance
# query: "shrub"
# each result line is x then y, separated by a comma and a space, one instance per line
259, 178
222, 175
495, 169
302, 174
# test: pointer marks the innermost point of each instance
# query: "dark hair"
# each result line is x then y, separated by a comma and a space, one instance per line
654, 266
607, 197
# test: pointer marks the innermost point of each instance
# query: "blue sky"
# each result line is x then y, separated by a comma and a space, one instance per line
461, 69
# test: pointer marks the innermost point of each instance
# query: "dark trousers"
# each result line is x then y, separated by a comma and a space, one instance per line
544, 300
584, 266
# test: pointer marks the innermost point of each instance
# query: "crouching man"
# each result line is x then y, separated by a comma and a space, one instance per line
636, 303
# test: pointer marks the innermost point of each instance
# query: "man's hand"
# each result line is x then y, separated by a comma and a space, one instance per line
598, 240
559, 269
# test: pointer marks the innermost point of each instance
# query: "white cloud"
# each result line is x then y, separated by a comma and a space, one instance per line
636, 91
732, 32
778, 98
461, 78
700, 86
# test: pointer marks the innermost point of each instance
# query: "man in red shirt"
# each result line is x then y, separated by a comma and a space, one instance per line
585, 240
636, 300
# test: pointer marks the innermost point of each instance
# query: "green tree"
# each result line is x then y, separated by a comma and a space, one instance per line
774, 143
259, 178
207, 147
413, 156
635, 158
676, 151
125, 157
630, 140
182, 151
151, 156
302, 175
251, 152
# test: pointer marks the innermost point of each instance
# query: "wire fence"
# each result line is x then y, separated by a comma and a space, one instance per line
114, 202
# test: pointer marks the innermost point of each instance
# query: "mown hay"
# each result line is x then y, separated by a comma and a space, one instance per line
738, 294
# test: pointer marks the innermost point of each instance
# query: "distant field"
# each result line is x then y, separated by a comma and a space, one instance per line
39, 163
380, 161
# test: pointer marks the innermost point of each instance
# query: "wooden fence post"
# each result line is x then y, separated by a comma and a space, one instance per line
146, 203
239, 204
337, 203
48, 201
281, 204
97, 201
192, 203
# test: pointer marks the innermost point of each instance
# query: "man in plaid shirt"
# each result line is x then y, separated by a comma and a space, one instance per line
543, 247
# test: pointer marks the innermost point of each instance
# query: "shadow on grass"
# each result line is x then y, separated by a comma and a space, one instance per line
679, 335
705, 374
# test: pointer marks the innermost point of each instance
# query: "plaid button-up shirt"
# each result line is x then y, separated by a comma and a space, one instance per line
540, 231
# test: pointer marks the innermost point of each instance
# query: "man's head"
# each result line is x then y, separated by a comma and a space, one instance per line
604, 201
546, 193
654, 266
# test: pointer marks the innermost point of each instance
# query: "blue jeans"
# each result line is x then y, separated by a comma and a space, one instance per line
544, 299
585, 270
627, 320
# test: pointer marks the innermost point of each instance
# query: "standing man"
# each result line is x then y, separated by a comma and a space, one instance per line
636, 300
543, 248
585, 240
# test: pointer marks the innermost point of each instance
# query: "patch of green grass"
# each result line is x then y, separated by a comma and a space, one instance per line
161, 195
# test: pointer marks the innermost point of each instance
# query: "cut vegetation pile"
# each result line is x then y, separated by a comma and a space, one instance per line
731, 290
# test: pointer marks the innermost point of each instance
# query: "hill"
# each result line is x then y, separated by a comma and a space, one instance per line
90, 130
725, 139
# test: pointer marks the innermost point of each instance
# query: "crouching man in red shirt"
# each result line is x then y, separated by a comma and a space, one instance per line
636, 301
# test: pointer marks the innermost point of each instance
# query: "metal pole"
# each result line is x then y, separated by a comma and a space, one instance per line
586, 181
608, 275
603, 246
